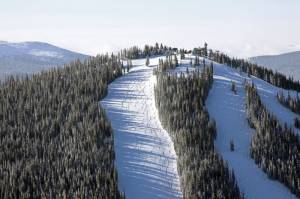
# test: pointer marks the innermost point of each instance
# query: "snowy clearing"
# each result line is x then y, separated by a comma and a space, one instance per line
229, 112
145, 156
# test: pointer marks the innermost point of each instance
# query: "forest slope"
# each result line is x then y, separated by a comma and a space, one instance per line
268, 94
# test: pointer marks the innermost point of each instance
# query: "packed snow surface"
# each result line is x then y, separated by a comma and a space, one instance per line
229, 111
145, 156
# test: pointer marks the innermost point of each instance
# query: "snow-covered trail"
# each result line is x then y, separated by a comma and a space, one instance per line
229, 112
267, 93
145, 156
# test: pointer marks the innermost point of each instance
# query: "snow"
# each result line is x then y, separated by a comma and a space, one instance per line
14, 45
229, 111
27, 58
44, 53
185, 66
145, 156
268, 94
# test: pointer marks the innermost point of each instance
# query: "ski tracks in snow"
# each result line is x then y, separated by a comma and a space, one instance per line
145, 156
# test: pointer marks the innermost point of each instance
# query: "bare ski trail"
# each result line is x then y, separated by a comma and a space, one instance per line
145, 156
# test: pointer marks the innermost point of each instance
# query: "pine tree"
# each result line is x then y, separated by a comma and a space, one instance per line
182, 55
205, 50
297, 122
176, 61
233, 87
231, 145
147, 61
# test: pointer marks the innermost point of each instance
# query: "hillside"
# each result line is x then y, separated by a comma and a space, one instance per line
152, 122
288, 63
229, 111
142, 149
30, 57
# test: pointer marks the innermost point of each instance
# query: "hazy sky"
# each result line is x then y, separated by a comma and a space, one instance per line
239, 27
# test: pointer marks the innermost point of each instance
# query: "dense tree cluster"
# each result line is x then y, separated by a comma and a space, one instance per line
292, 103
275, 148
55, 141
275, 78
135, 52
181, 105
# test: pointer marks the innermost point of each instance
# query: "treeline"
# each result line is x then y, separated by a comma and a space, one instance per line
55, 140
290, 102
181, 105
268, 75
157, 50
275, 148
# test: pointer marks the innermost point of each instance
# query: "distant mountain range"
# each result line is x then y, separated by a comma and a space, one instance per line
31, 57
288, 63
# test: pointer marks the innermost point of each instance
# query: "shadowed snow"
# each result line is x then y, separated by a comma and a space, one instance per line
145, 156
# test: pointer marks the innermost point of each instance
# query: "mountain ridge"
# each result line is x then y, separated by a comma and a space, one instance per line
33, 56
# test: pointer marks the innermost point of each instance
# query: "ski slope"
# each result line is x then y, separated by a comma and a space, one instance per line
267, 93
145, 156
229, 112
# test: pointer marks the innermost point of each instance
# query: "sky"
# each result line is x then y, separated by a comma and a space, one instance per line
241, 28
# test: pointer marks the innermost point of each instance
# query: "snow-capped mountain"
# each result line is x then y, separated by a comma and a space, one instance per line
288, 63
31, 57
